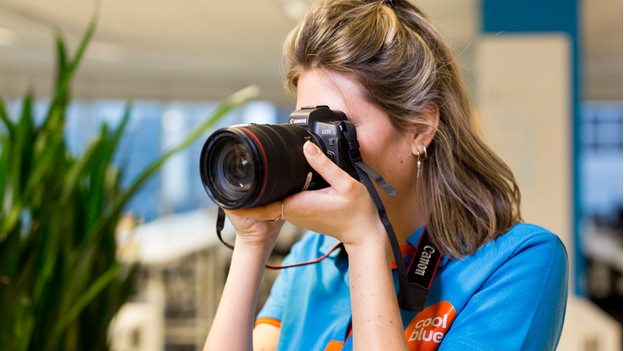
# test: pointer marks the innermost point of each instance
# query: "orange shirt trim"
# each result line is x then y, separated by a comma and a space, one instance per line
271, 321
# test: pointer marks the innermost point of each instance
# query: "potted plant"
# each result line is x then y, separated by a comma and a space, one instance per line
61, 282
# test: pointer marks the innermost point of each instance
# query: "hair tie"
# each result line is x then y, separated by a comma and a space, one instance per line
391, 3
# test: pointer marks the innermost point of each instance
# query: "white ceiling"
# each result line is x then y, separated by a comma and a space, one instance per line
206, 49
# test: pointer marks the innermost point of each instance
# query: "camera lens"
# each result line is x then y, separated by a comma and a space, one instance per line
256, 164
233, 169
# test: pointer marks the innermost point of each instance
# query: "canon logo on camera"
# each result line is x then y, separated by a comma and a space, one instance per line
298, 121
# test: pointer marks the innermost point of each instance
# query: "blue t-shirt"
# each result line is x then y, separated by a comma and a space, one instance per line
510, 295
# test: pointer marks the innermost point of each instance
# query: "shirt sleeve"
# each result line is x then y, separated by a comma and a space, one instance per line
521, 306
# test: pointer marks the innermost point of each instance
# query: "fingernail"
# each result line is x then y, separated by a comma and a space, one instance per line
310, 149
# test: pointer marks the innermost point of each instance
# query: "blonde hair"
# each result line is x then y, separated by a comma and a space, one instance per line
404, 64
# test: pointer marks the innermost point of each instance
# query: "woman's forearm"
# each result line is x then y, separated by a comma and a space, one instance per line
238, 302
377, 323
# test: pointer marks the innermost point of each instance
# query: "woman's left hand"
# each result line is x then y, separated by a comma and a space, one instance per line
343, 210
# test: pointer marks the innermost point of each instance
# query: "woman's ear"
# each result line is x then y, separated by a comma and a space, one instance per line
423, 135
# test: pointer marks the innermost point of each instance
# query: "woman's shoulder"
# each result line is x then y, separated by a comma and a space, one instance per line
526, 257
523, 236
524, 241
524, 245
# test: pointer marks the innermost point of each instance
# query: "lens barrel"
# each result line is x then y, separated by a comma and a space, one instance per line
253, 165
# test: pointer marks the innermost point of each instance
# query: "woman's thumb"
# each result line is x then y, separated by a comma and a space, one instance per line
327, 169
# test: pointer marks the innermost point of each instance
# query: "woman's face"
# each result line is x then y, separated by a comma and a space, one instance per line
383, 147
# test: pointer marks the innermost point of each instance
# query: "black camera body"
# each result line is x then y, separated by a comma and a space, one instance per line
252, 165
325, 125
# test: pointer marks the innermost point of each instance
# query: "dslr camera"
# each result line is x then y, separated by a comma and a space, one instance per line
252, 165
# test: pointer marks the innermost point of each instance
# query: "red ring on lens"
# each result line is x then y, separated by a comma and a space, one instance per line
266, 168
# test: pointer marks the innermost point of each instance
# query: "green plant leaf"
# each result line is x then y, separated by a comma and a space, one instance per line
94, 289
4, 117
121, 128
25, 321
97, 177
5, 153
42, 166
61, 56
80, 167
49, 256
61, 63
10, 254
11, 221
22, 151
55, 113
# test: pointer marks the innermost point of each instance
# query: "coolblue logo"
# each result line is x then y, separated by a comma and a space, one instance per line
428, 328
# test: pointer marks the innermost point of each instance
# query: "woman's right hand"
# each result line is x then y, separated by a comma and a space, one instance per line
255, 227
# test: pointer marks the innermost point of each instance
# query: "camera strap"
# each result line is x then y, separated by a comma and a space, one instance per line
220, 225
413, 292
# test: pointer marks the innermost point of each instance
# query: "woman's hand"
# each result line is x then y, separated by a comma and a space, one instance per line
256, 227
343, 210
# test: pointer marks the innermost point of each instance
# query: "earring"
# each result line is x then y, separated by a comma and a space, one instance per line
418, 164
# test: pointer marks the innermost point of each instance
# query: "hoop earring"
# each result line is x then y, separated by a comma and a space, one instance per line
425, 150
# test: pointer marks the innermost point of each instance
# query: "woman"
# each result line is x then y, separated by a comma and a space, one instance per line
500, 284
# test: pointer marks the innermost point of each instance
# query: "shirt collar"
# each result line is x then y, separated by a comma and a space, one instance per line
414, 239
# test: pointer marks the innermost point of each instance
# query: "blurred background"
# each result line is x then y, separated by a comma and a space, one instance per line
546, 76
